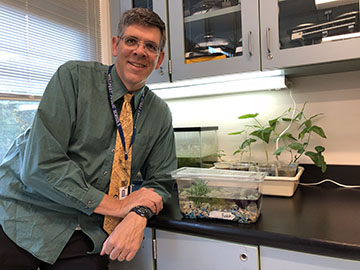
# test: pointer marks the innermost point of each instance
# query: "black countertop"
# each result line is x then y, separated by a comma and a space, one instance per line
322, 220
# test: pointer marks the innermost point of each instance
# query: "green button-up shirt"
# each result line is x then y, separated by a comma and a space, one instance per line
57, 172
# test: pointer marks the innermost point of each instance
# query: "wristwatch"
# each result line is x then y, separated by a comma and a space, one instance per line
143, 211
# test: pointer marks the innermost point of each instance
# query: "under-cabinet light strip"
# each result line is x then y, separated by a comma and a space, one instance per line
170, 91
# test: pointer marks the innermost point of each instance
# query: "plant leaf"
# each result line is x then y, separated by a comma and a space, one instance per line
246, 116
288, 135
256, 126
319, 149
308, 123
301, 150
280, 150
247, 143
273, 122
236, 133
295, 146
302, 133
263, 134
314, 157
315, 115
303, 109
318, 160
237, 152
299, 116
318, 130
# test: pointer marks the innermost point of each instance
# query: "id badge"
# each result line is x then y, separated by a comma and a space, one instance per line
125, 191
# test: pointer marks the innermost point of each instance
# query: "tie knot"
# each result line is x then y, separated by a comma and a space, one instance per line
128, 97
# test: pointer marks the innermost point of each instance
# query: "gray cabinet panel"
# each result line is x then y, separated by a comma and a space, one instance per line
311, 26
278, 259
212, 20
179, 251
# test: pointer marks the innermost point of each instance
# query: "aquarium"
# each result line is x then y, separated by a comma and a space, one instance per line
219, 194
196, 146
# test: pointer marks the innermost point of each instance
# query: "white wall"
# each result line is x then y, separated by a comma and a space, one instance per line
336, 95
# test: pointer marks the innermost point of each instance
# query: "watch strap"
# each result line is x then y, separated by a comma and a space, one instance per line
143, 211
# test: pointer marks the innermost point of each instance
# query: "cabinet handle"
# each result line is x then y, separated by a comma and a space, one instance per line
154, 246
269, 54
250, 43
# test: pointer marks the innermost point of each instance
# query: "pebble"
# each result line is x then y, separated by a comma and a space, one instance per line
249, 214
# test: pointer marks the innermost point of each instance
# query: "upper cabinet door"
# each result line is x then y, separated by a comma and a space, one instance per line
213, 37
158, 6
297, 33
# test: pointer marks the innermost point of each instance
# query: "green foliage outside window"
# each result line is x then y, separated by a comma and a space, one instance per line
15, 117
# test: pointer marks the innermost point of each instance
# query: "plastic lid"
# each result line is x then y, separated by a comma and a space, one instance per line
189, 173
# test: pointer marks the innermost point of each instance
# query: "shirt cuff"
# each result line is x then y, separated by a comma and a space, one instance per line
91, 200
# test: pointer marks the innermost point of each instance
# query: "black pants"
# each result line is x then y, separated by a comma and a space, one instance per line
73, 257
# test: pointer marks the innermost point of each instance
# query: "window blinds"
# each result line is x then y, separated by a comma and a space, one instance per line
37, 36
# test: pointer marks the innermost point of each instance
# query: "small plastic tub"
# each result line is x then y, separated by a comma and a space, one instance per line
219, 194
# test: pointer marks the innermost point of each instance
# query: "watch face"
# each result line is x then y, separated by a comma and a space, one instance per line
143, 211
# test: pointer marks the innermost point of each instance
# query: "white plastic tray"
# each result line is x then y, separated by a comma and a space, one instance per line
281, 185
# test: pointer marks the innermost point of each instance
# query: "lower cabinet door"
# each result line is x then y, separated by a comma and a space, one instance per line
179, 251
280, 259
143, 259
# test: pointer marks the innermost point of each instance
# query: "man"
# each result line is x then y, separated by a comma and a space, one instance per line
55, 178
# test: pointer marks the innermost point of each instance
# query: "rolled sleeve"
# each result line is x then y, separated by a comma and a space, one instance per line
91, 200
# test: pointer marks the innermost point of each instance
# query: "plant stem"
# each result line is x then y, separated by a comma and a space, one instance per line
266, 153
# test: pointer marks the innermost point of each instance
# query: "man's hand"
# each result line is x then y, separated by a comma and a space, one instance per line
123, 243
144, 197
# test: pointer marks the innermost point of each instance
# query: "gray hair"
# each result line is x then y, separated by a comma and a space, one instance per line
144, 17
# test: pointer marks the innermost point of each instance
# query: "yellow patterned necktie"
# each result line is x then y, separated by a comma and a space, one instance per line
121, 168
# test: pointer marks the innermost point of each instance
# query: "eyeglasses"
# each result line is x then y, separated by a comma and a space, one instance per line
134, 42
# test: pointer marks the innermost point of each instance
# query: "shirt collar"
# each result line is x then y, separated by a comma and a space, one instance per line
119, 89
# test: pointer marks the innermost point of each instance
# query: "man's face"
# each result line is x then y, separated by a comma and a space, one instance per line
135, 64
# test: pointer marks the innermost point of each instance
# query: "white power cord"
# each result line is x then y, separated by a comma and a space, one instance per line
287, 128
328, 180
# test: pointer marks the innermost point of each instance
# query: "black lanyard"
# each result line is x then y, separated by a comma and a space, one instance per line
116, 116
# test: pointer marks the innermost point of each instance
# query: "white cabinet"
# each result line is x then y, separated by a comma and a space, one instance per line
179, 251
296, 33
279, 259
143, 259
209, 38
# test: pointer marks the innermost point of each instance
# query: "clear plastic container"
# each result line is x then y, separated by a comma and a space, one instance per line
220, 194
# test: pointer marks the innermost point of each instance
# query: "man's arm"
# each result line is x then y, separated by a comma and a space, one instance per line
47, 167
124, 242
120, 208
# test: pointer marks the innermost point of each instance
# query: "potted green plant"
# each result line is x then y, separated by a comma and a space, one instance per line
295, 140
220, 154
221, 163
253, 133
297, 144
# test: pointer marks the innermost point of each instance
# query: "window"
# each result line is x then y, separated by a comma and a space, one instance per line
36, 38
